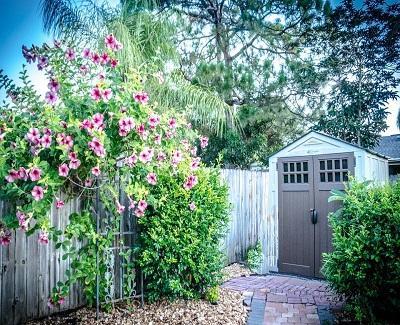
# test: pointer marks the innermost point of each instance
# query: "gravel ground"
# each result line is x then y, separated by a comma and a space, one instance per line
229, 310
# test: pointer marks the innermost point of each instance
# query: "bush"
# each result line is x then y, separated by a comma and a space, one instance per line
180, 240
365, 264
254, 257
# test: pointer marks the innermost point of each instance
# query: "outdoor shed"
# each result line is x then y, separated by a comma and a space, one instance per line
302, 176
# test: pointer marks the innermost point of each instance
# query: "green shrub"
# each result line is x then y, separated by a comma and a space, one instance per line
180, 247
212, 295
365, 264
254, 257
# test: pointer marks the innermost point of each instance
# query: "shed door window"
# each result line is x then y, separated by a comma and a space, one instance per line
333, 170
295, 172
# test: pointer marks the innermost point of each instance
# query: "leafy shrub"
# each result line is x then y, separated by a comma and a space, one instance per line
365, 264
180, 243
254, 257
212, 295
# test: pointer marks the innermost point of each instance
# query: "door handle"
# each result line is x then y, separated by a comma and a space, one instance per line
314, 216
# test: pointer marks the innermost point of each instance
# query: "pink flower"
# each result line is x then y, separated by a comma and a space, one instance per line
37, 193
113, 63
120, 208
161, 156
53, 85
125, 126
132, 204
68, 141
43, 62
63, 170
146, 155
193, 151
51, 98
45, 141
35, 174
106, 95
64, 124
172, 123
104, 58
141, 97
59, 204
139, 213
73, 155
74, 164
192, 206
203, 142
154, 120
22, 173
96, 171
131, 160
157, 139
33, 136
110, 41
5, 236
12, 176
190, 182
43, 237
84, 69
70, 54
88, 182
95, 58
142, 132
22, 222
195, 163
97, 147
152, 178
86, 53
47, 131
96, 94
98, 120
142, 205
177, 157
87, 124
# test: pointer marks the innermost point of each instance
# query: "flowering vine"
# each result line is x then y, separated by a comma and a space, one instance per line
94, 122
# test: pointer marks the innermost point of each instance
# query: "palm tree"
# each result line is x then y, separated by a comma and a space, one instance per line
148, 49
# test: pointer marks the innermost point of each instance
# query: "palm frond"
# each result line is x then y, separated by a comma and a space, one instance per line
206, 109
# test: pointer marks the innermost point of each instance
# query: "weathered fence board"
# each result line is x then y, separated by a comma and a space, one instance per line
248, 195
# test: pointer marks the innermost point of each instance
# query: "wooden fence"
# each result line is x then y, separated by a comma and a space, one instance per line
29, 270
248, 195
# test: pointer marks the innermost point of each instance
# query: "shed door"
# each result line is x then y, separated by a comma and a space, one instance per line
304, 188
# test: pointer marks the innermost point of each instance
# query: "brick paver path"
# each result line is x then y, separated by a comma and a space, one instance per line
289, 300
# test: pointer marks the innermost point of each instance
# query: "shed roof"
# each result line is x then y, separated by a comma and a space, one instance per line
389, 146
333, 138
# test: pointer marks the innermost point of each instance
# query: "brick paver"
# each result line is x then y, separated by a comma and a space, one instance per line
288, 300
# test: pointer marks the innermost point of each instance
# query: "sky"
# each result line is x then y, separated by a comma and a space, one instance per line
20, 23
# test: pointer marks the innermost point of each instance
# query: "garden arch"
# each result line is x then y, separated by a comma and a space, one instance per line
302, 175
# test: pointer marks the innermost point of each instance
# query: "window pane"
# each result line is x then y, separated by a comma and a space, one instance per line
285, 167
298, 178
322, 177
344, 164
292, 178
298, 167
322, 165
305, 178
330, 177
285, 178
305, 166
337, 164
329, 164
337, 176
292, 167
345, 176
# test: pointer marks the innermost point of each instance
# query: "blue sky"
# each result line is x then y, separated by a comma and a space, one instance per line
20, 23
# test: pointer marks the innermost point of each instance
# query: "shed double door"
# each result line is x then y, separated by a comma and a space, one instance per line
304, 188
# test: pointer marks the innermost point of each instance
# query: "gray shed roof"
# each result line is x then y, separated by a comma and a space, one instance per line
389, 146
